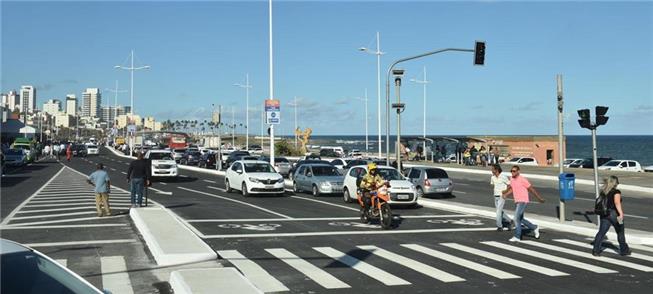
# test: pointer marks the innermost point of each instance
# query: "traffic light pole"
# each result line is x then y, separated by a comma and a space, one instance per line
596, 171
560, 143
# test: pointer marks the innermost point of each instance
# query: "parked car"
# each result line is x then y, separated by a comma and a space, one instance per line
302, 162
190, 157
648, 169
312, 156
570, 161
401, 190
25, 270
328, 153
430, 180
27, 146
355, 153
340, 163
253, 177
281, 164
207, 160
178, 153
255, 149
92, 150
235, 155
589, 163
622, 165
79, 150
15, 157
318, 178
523, 161
162, 163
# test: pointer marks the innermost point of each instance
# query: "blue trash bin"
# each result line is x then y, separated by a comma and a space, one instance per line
567, 186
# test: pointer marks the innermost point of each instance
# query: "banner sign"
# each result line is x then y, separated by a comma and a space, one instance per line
273, 111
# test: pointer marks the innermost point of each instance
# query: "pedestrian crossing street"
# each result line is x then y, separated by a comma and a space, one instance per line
278, 269
113, 271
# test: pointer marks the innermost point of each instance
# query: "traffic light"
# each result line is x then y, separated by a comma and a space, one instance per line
601, 119
479, 53
584, 120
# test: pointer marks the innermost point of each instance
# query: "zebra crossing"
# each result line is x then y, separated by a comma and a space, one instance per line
113, 271
405, 264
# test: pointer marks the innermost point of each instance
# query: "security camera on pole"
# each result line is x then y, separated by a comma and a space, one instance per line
586, 123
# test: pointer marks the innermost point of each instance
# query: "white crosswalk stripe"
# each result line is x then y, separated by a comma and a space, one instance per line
609, 250
363, 267
255, 273
114, 275
618, 262
499, 274
316, 274
62, 262
549, 257
413, 264
507, 260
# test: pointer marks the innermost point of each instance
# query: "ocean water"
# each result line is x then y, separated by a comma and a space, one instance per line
638, 148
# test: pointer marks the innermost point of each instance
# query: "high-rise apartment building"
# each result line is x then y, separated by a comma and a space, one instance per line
92, 99
109, 113
71, 104
52, 107
27, 98
13, 100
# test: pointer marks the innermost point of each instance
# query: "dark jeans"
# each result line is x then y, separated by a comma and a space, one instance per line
137, 185
606, 223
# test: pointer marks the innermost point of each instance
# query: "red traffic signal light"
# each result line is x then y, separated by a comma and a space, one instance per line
479, 53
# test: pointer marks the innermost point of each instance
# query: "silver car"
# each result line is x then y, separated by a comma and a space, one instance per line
318, 178
430, 180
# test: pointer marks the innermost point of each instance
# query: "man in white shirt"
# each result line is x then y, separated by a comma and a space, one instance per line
55, 150
500, 183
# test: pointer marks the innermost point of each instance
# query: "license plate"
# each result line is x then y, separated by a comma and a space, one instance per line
442, 189
269, 186
403, 197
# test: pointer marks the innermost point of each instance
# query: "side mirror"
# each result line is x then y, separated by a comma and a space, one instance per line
239, 171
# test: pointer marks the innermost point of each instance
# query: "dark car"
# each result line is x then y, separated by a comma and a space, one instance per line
589, 162
291, 174
328, 153
281, 164
235, 155
79, 150
207, 160
190, 157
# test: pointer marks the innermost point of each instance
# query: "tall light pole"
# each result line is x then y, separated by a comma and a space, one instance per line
367, 143
294, 104
131, 69
233, 125
423, 82
247, 86
560, 139
271, 94
115, 101
378, 54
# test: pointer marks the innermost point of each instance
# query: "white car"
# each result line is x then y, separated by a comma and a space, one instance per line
401, 190
523, 161
163, 164
340, 163
570, 161
92, 150
648, 169
622, 165
253, 177
177, 154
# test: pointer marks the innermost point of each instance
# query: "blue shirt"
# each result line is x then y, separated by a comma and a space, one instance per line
100, 179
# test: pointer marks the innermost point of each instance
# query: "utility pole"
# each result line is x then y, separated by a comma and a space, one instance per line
271, 94
295, 105
233, 125
560, 143
586, 123
247, 86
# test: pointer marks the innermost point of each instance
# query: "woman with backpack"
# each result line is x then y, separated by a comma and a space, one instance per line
608, 207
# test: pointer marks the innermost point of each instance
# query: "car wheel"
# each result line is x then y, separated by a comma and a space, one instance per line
295, 188
347, 197
244, 190
420, 192
316, 191
227, 186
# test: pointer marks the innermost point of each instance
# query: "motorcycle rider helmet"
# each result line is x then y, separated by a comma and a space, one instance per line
371, 166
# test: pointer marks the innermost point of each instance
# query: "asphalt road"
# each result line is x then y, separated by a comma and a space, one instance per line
301, 244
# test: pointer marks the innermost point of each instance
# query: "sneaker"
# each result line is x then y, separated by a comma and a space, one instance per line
596, 254
626, 253
499, 229
514, 239
537, 233
505, 229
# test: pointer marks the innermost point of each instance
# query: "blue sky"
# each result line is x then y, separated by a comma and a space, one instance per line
198, 50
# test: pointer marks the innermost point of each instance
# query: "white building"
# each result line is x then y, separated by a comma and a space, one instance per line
71, 104
109, 113
27, 98
91, 101
64, 120
13, 100
53, 106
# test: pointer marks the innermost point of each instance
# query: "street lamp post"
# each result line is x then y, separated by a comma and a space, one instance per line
423, 82
367, 144
378, 54
294, 104
131, 69
271, 93
115, 101
247, 86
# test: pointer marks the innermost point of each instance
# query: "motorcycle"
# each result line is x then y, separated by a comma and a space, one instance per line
379, 207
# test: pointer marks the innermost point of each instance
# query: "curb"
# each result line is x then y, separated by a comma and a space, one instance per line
644, 238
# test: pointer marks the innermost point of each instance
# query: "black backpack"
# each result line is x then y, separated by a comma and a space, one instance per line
601, 205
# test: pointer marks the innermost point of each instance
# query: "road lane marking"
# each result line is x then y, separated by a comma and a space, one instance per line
608, 249
618, 262
237, 201
459, 192
89, 200
20, 206
183, 176
641, 247
412, 264
636, 216
113, 169
314, 218
56, 209
255, 273
499, 274
363, 267
55, 215
313, 272
61, 226
67, 220
337, 233
506, 260
209, 181
162, 183
72, 243
326, 203
62, 262
114, 275
124, 173
159, 191
549, 257
217, 188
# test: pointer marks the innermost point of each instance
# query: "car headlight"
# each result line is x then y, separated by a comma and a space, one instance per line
253, 180
325, 185
280, 180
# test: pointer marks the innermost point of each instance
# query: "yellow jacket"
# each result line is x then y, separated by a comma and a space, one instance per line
371, 182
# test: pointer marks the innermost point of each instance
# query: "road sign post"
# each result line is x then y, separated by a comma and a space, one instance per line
272, 117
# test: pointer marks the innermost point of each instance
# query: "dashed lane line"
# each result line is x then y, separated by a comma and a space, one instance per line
89, 242
326, 203
217, 188
61, 226
209, 181
66, 220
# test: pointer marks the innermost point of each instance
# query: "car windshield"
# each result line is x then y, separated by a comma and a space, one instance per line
389, 174
325, 171
180, 150
21, 147
280, 159
612, 163
568, 161
258, 168
515, 159
91, 146
436, 173
31, 273
160, 156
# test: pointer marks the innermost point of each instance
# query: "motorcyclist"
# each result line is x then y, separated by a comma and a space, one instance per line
371, 182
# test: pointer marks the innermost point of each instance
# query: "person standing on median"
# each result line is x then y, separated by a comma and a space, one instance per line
615, 217
138, 175
500, 183
100, 180
519, 188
